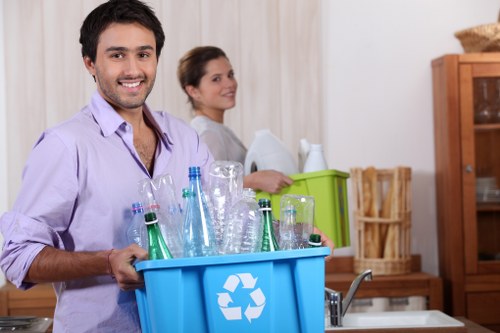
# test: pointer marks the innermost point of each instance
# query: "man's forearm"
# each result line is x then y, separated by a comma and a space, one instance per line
53, 265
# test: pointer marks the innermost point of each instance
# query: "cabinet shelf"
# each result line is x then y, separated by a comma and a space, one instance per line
487, 127
488, 207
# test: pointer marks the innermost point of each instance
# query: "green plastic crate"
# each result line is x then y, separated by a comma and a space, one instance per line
331, 210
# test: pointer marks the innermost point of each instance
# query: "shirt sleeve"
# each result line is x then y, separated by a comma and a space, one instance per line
42, 210
215, 144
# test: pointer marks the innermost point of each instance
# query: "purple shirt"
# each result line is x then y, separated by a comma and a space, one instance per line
78, 185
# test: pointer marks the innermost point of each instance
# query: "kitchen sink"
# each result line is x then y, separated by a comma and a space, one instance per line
403, 321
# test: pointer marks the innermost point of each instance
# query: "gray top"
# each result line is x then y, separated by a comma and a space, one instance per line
220, 139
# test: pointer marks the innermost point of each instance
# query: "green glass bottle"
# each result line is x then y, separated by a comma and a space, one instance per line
269, 242
157, 248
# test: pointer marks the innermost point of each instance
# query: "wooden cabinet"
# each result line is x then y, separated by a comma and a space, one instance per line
39, 301
339, 276
466, 90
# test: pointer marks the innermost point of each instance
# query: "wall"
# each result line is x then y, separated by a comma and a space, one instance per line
3, 133
378, 90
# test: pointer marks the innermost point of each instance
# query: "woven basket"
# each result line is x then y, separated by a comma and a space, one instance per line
483, 38
382, 212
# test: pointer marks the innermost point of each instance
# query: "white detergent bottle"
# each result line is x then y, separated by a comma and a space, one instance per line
267, 152
315, 159
304, 148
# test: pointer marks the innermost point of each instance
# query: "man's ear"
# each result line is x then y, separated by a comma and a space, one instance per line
89, 64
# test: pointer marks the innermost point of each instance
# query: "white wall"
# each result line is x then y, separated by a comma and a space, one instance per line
3, 135
378, 91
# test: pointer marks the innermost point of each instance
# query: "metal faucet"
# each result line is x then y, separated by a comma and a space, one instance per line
338, 307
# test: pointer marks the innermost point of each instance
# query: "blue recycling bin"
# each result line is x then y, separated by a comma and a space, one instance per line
280, 291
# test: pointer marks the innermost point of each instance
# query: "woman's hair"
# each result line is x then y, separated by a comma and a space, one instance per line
192, 65
118, 11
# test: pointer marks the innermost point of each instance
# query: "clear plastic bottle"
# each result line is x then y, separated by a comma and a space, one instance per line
198, 231
287, 225
269, 242
243, 231
157, 248
136, 232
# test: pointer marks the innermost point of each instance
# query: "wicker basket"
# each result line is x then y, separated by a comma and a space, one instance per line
483, 38
382, 212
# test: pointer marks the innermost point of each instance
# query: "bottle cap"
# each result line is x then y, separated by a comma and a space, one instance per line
150, 218
137, 207
264, 202
194, 172
314, 240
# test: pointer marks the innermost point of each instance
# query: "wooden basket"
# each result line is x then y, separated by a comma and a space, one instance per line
483, 38
382, 212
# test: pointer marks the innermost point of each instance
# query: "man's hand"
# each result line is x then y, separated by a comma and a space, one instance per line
120, 263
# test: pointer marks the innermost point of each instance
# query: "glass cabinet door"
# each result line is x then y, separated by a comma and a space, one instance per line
480, 112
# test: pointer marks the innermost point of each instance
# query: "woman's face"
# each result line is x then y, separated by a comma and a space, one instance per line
217, 88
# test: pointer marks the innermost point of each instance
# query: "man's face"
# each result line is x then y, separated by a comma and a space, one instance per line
125, 65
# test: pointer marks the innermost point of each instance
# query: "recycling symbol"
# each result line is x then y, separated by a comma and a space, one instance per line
233, 311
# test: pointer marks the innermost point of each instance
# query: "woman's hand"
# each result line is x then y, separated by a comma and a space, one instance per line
270, 181
325, 241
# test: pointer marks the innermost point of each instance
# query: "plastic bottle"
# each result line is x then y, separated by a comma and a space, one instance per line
269, 152
225, 185
287, 225
304, 148
269, 242
315, 159
157, 248
243, 232
198, 231
136, 232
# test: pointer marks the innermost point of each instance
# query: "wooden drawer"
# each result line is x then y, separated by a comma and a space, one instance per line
484, 308
39, 301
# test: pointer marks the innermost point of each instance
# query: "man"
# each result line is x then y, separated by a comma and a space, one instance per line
67, 225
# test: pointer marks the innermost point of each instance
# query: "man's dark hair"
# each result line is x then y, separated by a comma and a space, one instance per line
118, 11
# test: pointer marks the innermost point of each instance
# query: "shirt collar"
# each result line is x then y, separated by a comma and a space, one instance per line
110, 121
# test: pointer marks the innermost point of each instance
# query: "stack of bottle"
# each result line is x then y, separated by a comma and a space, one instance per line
169, 229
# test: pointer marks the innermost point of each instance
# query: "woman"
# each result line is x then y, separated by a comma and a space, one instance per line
207, 77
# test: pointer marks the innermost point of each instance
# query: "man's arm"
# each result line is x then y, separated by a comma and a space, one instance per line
53, 265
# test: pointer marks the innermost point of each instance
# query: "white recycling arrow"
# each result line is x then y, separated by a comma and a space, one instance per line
232, 283
253, 312
235, 312
232, 313
247, 280
258, 297
224, 299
